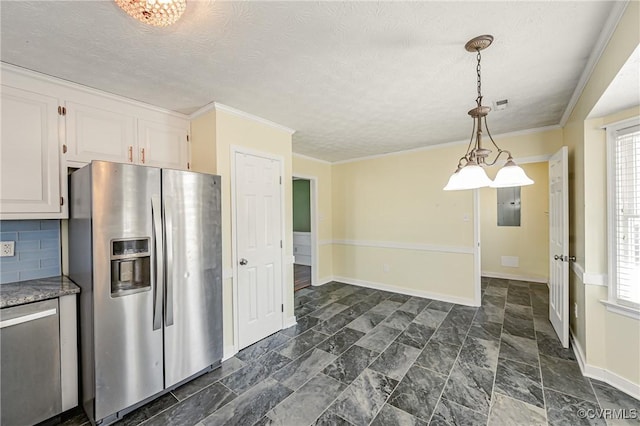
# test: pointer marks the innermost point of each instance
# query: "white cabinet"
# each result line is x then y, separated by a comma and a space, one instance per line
49, 126
29, 156
162, 145
94, 133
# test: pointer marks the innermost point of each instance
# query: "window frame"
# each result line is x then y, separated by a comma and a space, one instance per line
613, 303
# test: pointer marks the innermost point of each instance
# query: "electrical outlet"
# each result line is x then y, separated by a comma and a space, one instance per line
575, 309
386, 267
7, 248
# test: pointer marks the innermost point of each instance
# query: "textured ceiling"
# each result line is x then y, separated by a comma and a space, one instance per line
353, 78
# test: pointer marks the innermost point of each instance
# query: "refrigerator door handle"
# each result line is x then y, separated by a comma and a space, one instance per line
159, 261
168, 295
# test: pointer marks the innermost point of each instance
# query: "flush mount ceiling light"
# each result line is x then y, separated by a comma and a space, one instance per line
470, 173
159, 13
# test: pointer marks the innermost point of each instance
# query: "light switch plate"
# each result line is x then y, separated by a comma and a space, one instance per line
7, 248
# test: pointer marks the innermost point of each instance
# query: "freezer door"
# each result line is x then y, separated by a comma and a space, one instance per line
127, 324
193, 303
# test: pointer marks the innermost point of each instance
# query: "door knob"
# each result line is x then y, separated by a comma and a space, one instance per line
555, 257
570, 259
243, 261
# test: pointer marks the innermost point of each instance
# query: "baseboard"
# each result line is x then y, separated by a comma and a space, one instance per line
229, 352
406, 291
289, 322
323, 281
514, 277
604, 375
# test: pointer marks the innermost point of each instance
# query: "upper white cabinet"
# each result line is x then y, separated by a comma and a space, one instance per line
94, 133
49, 126
163, 145
29, 157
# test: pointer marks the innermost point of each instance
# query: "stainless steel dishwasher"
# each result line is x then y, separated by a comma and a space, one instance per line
30, 363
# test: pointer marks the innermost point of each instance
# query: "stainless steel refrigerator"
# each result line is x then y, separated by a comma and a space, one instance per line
145, 248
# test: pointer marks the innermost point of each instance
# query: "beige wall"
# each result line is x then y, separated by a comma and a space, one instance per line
235, 130
529, 241
609, 340
394, 226
321, 171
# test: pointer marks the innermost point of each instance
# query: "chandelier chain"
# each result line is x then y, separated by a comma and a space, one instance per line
479, 99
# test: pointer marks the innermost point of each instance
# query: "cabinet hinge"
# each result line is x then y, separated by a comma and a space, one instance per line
280, 180
64, 148
188, 166
280, 243
282, 308
62, 201
187, 138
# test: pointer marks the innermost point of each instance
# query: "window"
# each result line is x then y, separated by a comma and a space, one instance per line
624, 214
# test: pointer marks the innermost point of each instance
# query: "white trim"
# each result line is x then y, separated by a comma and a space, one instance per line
626, 311
477, 249
230, 110
229, 352
289, 322
306, 157
325, 242
25, 72
284, 259
27, 318
405, 246
602, 374
533, 159
406, 291
315, 247
617, 10
227, 273
447, 144
622, 124
211, 106
323, 281
589, 278
515, 277
595, 279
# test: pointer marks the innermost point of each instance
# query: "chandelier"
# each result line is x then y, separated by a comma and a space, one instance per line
470, 173
159, 13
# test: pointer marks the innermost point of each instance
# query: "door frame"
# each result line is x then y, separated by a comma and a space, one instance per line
313, 200
233, 151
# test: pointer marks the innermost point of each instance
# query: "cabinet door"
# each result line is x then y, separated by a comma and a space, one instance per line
162, 145
29, 156
99, 134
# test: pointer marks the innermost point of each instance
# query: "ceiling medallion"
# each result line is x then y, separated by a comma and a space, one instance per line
159, 13
470, 173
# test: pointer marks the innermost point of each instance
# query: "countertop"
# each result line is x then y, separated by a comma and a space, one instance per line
22, 292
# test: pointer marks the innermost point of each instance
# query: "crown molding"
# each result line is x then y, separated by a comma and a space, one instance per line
447, 144
605, 35
25, 72
237, 112
306, 157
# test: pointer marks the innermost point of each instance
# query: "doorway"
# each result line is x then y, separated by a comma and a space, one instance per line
304, 235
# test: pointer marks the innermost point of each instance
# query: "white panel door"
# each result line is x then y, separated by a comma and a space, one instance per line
163, 145
559, 244
99, 134
29, 156
258, 245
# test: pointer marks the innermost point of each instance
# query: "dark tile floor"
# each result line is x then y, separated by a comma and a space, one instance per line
359, 356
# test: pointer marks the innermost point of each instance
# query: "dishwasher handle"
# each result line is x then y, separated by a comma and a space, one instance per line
27, 318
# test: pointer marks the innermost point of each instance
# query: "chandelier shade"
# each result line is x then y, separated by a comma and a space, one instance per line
470, 173
159, 13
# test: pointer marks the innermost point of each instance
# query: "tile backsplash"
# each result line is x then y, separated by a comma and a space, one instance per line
37, 250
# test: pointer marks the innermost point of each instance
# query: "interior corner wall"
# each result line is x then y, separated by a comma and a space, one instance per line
610, 342
203, 143
395, 228
224, 130
529, 242
321, 172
